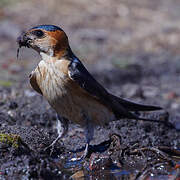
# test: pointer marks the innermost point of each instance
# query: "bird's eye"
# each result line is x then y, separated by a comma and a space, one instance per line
38, 33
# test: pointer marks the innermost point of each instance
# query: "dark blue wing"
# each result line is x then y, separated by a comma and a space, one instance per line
119, 106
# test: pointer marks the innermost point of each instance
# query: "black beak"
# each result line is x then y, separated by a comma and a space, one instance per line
23, 40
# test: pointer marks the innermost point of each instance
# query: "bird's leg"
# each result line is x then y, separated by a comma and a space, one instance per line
62, 128
89, 132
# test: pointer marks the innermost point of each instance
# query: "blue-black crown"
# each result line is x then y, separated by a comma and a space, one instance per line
48, 27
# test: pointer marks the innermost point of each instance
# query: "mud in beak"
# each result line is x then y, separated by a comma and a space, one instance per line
23, 41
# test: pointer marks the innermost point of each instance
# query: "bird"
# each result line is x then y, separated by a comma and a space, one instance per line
75, 95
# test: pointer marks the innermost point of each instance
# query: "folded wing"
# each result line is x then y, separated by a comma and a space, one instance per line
121, 108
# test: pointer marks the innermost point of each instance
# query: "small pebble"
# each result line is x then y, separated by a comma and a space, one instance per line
13, 105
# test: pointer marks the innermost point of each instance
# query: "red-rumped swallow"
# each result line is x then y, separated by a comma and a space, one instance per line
68, 86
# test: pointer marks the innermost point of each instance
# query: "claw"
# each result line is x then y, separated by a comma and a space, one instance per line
83, 156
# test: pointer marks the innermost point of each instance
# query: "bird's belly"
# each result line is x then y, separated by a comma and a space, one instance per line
78, 107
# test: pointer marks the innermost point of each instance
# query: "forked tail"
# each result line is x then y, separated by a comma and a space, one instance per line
124, 109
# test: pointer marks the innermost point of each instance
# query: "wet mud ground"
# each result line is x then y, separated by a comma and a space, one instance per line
126, 149
133, 50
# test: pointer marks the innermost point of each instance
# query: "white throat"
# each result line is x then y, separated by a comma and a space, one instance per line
45, 57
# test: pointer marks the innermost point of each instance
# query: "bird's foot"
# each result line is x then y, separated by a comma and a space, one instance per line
83, 156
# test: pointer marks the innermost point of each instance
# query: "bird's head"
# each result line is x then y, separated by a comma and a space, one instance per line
45, 39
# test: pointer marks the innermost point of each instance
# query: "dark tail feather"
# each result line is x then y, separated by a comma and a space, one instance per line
131, 106
166, 123
122, 109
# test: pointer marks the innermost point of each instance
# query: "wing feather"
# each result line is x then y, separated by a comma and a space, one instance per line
121, 108
34, 83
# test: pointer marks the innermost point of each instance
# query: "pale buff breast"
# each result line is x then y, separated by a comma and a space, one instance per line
66, 97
